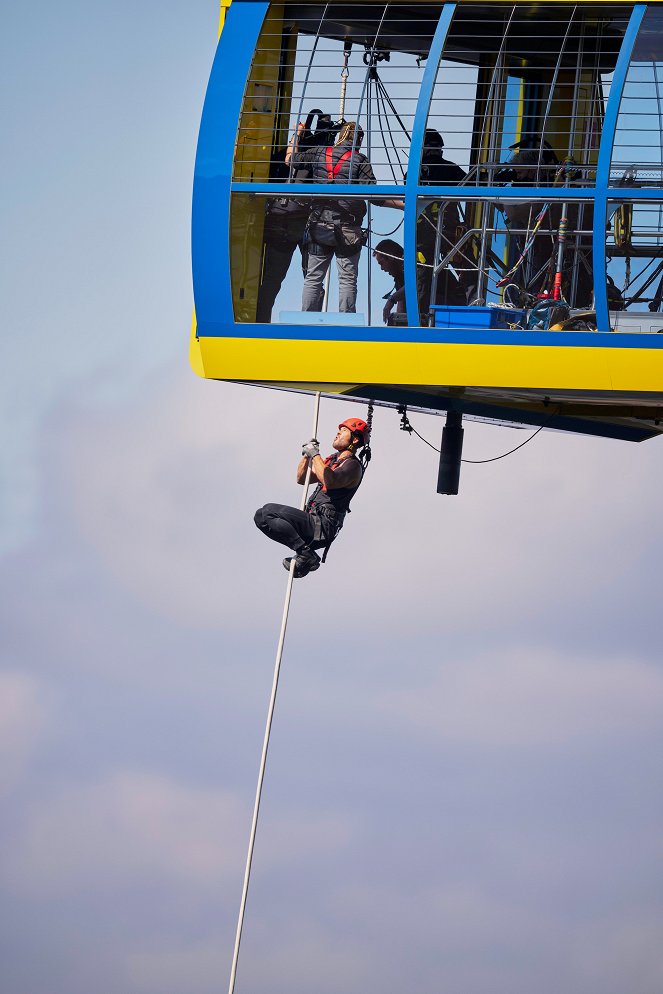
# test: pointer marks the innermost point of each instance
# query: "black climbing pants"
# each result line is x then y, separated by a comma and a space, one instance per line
287, 525
283, 234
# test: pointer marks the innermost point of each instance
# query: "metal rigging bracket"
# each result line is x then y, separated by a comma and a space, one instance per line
374, 55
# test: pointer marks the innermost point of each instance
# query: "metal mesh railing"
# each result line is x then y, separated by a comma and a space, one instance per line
362, 64
637, 158
520, 88
519, 100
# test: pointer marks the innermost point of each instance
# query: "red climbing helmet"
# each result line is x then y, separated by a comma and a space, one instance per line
357, 426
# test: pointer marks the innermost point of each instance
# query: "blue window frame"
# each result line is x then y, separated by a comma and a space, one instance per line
264, 74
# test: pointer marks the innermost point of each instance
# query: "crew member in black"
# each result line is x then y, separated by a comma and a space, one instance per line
285, 224
389, 256
335, 224
438, 171
286, 217
435, 169
338, 477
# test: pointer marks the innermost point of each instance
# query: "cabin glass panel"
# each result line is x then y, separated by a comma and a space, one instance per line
521, 87
321, 63
634, 246
269, 253
507, 157
500, 254
637, 158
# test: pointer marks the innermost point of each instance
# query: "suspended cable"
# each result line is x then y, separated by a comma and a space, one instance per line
394, 146
385, 96
478, 462
381, 91
407, 426
391, 165
385, 234
268, 726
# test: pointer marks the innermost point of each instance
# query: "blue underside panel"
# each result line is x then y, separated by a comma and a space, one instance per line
496, 412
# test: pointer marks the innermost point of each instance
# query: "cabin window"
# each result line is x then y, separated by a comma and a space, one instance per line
506, 252
506, 176
271, 238
637, 158
321, 63
519, 88
634, 246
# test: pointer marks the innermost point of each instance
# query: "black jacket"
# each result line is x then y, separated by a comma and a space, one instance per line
352, 168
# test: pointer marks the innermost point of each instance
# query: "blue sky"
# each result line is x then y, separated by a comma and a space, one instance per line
464, 787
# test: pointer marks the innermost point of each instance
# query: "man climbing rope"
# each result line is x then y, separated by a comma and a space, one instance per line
338, 477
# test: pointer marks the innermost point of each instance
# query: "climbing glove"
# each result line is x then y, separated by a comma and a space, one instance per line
311, 449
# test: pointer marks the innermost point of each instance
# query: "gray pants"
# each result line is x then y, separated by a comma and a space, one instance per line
314, 292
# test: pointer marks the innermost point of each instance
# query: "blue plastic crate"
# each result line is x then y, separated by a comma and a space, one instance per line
482, 318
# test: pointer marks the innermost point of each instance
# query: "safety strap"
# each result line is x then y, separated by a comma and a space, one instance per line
327, 460
333, 170
333, 460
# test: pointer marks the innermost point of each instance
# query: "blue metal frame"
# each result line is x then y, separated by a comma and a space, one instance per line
567, 422
210, 223
435, 192
604, 163
213, 188
416, 145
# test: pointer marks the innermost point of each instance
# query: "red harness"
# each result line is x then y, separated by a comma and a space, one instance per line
333, 461
329, 459
333, 170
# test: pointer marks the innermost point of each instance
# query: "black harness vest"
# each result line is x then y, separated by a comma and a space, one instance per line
331, 506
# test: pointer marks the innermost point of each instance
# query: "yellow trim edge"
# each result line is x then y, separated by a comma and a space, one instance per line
305, 364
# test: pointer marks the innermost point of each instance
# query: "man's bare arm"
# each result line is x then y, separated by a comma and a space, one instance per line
301, 470
397, 204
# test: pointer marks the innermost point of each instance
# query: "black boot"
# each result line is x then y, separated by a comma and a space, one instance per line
306, 561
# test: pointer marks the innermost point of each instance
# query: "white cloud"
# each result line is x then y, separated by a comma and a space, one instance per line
133, 827
530, 697
193, 966
166, 495
623, 954
394, 938
293, 954
24, 716
137, 827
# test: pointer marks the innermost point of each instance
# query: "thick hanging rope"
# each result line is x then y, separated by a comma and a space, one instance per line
268, 726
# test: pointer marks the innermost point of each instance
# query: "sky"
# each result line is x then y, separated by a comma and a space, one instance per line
463, 791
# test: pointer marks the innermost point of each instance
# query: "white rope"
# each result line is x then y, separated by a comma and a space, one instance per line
268, 727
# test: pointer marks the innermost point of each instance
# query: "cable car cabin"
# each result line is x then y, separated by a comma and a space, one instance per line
454, 206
